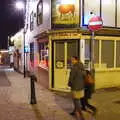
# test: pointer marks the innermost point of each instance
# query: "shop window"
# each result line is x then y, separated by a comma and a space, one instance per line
108, 12
43, 54
40, 12
87, 49
102, 8
118, 13
87, 54
72, 50
60, 55
90, 7
118, 54
31, 21
107, 54
32, 52
96, 53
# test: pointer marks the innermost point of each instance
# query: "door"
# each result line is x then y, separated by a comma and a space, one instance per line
63, 51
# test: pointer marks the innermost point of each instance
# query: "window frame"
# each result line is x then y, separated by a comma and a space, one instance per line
40, 3
43, 59
31, 21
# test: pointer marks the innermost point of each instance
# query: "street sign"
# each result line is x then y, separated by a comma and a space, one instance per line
95, 23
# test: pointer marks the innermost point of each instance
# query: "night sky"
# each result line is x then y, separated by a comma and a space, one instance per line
11, 21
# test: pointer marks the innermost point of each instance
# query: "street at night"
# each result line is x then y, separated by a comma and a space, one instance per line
15, 101
58, 58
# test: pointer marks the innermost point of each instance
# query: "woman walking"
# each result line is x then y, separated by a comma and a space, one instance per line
89, 91
76, 82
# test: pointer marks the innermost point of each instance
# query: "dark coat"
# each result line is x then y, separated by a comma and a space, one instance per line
76, 78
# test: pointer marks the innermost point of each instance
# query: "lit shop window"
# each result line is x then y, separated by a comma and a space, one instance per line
107, 59
117, 53
43, 53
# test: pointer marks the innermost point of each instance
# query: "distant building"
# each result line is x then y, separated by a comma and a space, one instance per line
4, 57
16, 52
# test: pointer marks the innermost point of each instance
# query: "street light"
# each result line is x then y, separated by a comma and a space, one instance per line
21, 6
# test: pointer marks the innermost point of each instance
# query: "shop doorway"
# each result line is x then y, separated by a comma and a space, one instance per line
63, 50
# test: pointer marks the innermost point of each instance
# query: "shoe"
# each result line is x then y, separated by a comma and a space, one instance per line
72, 113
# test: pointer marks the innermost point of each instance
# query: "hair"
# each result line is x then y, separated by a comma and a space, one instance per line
88, 72
75, 57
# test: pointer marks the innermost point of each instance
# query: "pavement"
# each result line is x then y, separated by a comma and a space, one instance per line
15, 101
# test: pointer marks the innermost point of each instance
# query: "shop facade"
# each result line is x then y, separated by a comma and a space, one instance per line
54, 34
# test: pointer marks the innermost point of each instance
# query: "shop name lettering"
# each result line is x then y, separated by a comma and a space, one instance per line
66, 34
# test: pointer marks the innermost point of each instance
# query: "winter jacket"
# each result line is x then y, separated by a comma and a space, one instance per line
76, 78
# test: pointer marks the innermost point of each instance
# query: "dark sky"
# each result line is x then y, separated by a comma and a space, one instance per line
11, 21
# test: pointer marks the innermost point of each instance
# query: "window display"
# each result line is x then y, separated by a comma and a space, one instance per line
43, 55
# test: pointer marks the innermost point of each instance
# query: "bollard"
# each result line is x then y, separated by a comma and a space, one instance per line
33, 96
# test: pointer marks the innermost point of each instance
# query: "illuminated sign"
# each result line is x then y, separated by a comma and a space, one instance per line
27, 49
65, 13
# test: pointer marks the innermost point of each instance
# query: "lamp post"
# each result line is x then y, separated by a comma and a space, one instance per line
21, 6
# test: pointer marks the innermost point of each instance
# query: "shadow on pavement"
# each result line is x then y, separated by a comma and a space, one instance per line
37, 112
64, 100
4, 81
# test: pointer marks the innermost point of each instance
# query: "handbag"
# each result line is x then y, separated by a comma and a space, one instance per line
89, 79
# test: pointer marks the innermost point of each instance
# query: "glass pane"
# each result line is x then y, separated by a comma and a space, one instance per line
107, 54
43, 53
87, 53
118, 54
118, 13
96, 52
90, 7
108, 12
60, 54
72, 50
87, 49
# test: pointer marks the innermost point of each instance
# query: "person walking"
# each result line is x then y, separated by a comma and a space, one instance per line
88, 92
76, 82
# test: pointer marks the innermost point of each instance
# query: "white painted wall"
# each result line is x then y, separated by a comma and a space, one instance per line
32, 6
30, 35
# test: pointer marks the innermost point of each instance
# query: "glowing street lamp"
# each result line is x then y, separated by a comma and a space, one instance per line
20, 5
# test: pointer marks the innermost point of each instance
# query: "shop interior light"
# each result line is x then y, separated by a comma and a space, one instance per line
68, 1
3, 51
106, 2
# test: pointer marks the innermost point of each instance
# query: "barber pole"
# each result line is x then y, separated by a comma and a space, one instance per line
95, 23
